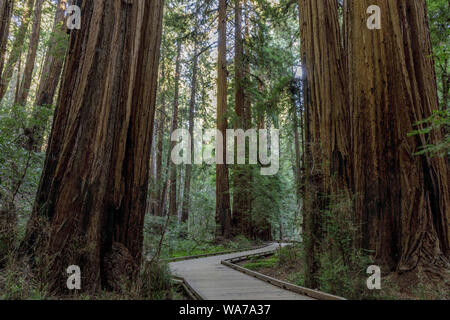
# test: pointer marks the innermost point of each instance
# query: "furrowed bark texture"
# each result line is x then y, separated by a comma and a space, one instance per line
91, 201
403, 199
223, 213
6, 9
327, 147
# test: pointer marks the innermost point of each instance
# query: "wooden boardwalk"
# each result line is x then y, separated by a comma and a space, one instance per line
214, 281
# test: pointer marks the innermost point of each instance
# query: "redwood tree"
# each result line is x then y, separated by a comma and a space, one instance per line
223, 213
327, 148
51, 73
176, 101
25, 84
6, 8
403, 199
16, 48
90, 205
241, 176
187, 183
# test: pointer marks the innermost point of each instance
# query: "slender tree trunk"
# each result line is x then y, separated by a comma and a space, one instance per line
159, 153
325, 104
223, 213
404, 199
152, 174
16, 49
6, 9
241, 175
90, 205
173, 169
445, 79
157, 163
295, 90
187, 185
19, 75
51, 73
25, 85
248, 179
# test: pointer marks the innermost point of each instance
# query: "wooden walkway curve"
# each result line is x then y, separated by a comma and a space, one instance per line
214, 281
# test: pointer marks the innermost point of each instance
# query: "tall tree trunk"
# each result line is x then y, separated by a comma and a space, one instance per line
445, 79
90, 205
51, 73
16, 49
6, 9
223, 213
25, 85
404, 199
295, 90
173, 169
241, 175
19, 75
159, 151
187, 182
325, 104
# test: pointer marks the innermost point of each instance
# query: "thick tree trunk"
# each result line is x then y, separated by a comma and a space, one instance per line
16, 49
327, 147
21, 98
51, 73
90, 205
6, 9
187, 182
173, 169
404, 199
223, 213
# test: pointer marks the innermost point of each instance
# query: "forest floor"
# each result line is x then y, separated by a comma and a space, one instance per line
287, 266
19, 282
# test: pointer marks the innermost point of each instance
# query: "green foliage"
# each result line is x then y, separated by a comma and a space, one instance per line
18, 283
267, 263
155, 282
439, 121
174, 246
439, 15
290, 255
342, 265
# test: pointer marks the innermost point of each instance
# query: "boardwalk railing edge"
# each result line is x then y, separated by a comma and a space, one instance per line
206, 255
278, 283
192, 293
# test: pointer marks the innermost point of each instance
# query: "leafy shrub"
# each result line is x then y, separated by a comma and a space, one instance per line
154, 282
289, 255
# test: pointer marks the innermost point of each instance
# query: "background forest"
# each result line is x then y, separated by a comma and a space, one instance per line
274, 70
